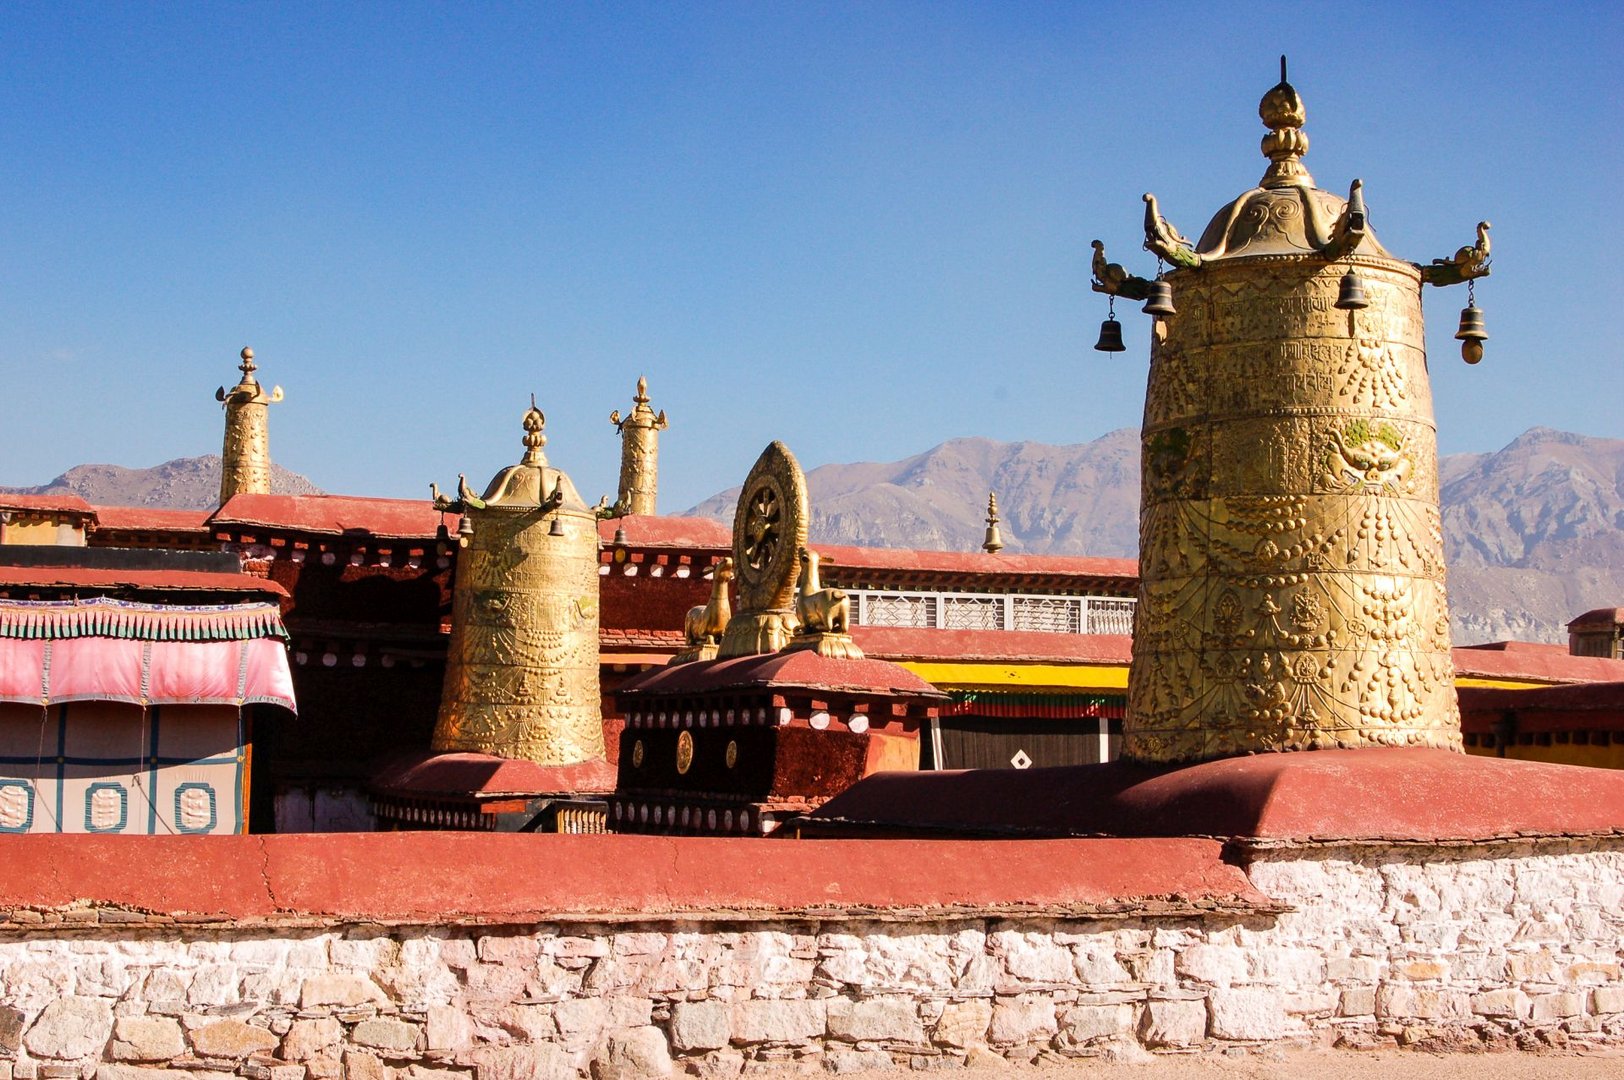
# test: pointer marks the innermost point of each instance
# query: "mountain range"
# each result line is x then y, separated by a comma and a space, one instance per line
185, 483
1533, 533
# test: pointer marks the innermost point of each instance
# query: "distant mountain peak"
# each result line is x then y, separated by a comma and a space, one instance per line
182, 484
1534, 532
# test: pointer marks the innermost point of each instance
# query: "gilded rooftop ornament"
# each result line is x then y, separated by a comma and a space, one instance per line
769, 531
824, 615
245, 459
521, 676
639, 454
1291, 556
994, 541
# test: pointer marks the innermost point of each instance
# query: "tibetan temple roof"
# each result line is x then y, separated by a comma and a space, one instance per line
413, 519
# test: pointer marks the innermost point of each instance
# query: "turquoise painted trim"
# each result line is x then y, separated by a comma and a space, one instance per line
123, 806
28, 821
240, 811
214, 808
152, 771
61, 759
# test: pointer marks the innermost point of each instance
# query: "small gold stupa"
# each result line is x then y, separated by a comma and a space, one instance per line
1291, 553
521, 678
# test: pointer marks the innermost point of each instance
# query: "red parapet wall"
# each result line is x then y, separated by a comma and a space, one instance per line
428, 878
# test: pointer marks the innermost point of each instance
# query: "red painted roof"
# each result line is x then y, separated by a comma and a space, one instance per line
798, 668
1574, 707
47, 504
484, 776
407, 519
695, 532
1540, 647
1599, 617
152, 519
645, 531
74, 577
1371, 794
1536, 665
425, 878
976, 562
913, 643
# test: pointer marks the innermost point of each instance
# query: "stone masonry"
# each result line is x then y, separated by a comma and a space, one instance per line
1513, 945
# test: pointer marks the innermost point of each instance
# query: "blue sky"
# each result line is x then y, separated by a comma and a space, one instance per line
861, 228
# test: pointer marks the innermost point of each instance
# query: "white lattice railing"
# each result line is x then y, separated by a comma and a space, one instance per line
993, 611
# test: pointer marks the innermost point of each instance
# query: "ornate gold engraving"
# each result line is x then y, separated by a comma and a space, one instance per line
245, 459
639, 453
732, 757
769, 531
685, 752
1291, 555
521, 676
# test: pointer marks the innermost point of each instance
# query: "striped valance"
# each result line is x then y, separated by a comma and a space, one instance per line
104, 617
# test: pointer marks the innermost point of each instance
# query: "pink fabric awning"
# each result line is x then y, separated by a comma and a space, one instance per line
146, 672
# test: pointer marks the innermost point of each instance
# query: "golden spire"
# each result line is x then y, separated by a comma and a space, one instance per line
995, 539
534, 439
245, 459
639, 453
1282, 113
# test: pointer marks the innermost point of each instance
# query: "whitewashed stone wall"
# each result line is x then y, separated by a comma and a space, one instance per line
1439, 948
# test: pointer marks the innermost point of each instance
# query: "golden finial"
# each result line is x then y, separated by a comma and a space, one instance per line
641, 397
534, 440
639, 453
995, 539
1283, 114
247, 366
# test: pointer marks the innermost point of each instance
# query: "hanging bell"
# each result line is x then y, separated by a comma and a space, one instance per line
556, 528
1472, 334
1160, 301
465, 529
1351, 295
1110, 337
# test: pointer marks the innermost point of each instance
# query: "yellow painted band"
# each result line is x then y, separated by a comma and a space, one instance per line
972, 676
1499, 684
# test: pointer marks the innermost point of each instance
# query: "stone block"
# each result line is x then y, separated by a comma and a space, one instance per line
522, 1062
147, 1038
1358, 1001
1607, 999
11, 1029
339, 990
1022, 1018
513, 949
717, 1065
580, 1020
848, 1061
1511, 1004
1246, 1013
1084, 1023
1592, 972
634, 1054
964, 1023
880, 1019
425, 1072
395, 1037
1218, 965
1424, 970
1400, 1000
307, 1038
71, 1027
447, 1028
359, 1065
231, 1039
530, 1023
700, 1025
1548, 1008
777, 1021
1174, 1023
139, 1072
